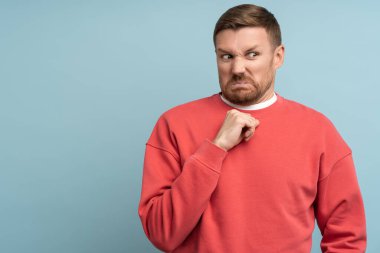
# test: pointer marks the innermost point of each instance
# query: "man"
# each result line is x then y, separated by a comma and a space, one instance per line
247, 170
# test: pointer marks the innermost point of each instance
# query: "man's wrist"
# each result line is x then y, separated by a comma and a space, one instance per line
219, 144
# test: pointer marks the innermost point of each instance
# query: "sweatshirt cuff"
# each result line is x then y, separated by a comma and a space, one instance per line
210, 155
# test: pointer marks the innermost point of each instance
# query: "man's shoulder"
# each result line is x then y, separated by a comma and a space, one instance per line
310, 116
306, 111
184, 115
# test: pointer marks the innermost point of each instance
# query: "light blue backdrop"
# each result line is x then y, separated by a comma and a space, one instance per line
82, 84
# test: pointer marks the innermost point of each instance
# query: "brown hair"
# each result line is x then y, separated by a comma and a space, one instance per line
249, 15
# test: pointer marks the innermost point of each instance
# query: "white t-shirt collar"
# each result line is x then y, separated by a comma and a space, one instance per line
258, 106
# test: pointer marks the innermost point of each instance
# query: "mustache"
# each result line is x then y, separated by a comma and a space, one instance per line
235, 78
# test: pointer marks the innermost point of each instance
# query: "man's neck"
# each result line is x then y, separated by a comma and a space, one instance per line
257, 106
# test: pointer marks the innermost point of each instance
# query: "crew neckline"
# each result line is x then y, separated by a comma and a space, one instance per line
257, 112
253, 107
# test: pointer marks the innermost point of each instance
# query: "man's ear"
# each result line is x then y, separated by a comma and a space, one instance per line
279, 54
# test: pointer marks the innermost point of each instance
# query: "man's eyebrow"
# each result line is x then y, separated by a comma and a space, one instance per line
248, 50
252, 48
222, 50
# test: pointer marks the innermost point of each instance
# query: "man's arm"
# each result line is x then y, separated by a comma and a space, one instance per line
171, 205
340, 210
173, 199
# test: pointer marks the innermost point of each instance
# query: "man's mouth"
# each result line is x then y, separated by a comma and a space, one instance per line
240, 85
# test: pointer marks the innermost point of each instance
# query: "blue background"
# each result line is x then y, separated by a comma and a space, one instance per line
82, 84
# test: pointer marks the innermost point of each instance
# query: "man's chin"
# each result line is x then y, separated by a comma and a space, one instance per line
242, 100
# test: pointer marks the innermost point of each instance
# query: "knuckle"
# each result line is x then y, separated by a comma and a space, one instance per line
240, 121
231, 112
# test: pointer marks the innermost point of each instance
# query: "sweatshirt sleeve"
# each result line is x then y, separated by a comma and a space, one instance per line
174, 197
340, 210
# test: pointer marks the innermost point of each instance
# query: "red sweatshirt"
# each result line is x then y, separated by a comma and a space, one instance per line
261, 196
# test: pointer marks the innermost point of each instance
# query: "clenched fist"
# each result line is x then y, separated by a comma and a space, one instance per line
236, 127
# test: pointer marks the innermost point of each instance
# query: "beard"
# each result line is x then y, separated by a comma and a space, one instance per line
244, 95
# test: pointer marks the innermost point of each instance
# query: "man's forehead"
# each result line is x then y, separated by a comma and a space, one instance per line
243, 38
227, 49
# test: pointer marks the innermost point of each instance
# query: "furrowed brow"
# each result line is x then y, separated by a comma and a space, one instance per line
223, 51
228, 52
251, 49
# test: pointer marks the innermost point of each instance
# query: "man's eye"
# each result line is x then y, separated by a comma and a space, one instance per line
226, 56
252, 54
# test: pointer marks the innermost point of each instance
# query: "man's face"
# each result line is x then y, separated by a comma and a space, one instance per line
247, 64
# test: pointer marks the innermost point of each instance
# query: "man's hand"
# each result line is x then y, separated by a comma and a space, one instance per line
236, 127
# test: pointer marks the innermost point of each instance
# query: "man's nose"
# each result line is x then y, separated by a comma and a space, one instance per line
238, 66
